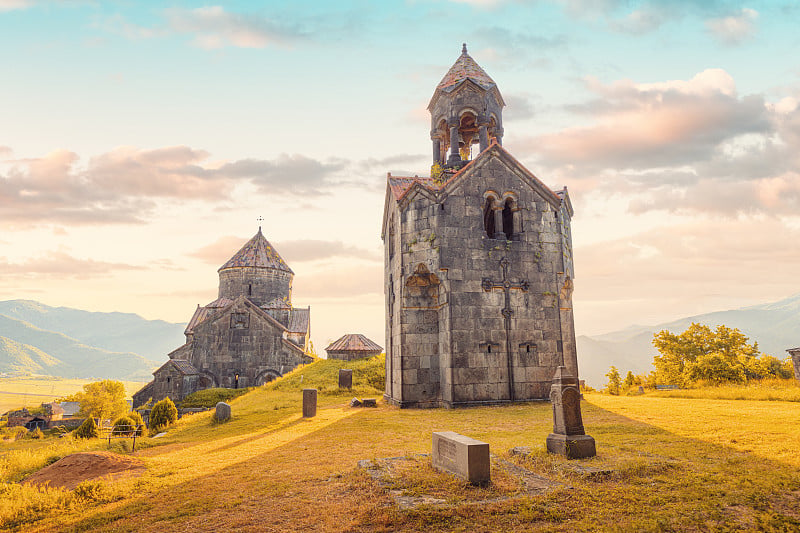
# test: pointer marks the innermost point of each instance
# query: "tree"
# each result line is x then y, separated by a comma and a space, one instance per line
138, 422
87, 430
101, 399
163, 414
630, 380
700, 354
614, 381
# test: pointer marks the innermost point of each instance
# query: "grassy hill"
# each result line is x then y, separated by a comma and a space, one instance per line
663, 464
67, 357
114, 332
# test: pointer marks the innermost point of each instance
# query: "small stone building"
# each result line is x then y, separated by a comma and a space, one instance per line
478, 263
795, 353
352, 346
47, 416
248, 336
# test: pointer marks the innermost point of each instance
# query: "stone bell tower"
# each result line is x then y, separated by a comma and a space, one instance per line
466, 109
478, 263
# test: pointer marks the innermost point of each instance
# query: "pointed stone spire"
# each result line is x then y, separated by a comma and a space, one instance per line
258, 253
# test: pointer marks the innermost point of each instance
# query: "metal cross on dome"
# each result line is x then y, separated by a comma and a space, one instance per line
260, 220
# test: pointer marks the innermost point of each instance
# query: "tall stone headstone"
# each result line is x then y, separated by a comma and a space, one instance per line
309, 403
345, 378
568, 437
223, 412
795, 353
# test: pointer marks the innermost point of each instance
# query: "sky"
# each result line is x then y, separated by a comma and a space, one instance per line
141, 141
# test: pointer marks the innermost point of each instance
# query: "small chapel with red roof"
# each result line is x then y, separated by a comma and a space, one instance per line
248, 336
478, 263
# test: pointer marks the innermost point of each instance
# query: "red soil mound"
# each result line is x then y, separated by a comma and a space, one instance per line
73, 469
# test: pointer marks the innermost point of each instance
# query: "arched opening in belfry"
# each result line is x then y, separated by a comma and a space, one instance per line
468, 134
492, 130
488, 217
444, 140
508, 218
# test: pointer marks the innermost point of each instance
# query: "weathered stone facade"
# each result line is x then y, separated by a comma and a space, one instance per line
479, 271
248, 336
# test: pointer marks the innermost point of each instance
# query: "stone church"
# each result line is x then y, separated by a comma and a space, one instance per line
248, 336
478, 263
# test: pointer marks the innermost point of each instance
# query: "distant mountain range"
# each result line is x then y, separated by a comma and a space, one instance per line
775, 326
59, 341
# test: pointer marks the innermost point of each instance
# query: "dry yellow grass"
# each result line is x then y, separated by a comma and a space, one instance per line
675, 465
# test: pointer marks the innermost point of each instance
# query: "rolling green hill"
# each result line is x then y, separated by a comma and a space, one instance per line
70, 343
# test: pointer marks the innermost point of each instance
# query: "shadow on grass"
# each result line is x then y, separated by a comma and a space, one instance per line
659, 481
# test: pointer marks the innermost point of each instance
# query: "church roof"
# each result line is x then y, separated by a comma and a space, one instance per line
401, 185
259, 253
298, 320
353, 342
184, 367
465, 68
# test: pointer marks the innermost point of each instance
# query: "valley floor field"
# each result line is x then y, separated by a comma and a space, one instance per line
33, 391
663, 464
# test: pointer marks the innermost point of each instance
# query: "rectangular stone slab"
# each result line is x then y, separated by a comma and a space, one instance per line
309, 403
345, 378
463, 456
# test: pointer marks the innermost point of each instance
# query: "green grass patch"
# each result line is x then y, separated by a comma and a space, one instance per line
780, 390
323, 375
211, 397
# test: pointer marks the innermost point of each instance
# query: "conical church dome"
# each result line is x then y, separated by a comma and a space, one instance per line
465, 68
257, 253
258, 272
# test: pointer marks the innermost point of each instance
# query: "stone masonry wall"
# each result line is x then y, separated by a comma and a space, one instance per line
242, 341
452, 342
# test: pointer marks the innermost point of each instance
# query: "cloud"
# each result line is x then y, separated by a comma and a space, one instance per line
649, 15
306, 175
679, 146
519, 107
123, 185
57, 264
734, 29
647, 125
688, 268
298, 251
213, 27
11, 5
339, 281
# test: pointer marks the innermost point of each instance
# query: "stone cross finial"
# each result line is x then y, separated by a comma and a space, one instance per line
463, 48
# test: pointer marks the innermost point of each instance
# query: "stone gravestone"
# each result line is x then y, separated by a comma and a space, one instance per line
795, 353
345, 378
223, 412
463, 456
568, 437
309, 403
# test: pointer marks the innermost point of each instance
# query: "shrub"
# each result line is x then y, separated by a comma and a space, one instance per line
93, 490
88, 430
124, 426
18, 433
37, 433
138, 421
163, 414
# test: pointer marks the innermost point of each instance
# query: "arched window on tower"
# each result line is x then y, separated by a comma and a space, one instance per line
488, 217
508, 218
